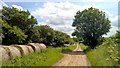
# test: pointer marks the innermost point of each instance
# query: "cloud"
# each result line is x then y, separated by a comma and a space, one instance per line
112, 31
2, 4
109, 14
114, 20
18, 7
100, 0
59, 15
61, 0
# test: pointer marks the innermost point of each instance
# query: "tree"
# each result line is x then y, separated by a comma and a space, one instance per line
12, 35
45, 34
91, 24
117, 37
19, 20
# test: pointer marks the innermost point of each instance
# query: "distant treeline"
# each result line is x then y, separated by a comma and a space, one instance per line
20, 27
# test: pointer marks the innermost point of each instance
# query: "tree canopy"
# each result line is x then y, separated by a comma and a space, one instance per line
91, 24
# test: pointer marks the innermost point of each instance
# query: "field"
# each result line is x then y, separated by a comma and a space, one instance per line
46, 58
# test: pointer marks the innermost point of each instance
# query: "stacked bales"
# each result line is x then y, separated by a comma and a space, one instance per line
23, 49
13, 52
38, 45
43, 47
35, 47
4, 52
30, 49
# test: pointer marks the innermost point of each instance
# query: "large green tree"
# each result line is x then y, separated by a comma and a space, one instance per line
91, 24
12, 35
19, 21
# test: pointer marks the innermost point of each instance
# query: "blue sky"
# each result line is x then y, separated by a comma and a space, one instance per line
59, 14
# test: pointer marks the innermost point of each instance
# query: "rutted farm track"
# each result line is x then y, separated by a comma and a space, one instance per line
74, 58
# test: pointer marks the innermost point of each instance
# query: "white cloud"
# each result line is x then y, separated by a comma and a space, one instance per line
100, 0
59, 15
2, 4
15, 6
18, 7
112, 31
114, 20
109, 14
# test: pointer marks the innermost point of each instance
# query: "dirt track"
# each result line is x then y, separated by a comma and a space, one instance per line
77, 58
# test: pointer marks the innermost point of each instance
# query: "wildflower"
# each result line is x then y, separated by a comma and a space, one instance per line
116, 59
107, 59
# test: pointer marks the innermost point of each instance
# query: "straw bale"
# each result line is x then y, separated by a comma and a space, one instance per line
4, 52
30, 49
35, 48
38, 46
14, 52
23, 49
43, 46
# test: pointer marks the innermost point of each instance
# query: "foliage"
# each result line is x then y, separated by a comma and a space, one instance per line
50, 37
12, 35
77, 39
106, 54
68, 49
15, 17
20, 23
91, 24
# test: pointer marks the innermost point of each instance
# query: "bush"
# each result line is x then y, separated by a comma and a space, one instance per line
12, 35
106, 54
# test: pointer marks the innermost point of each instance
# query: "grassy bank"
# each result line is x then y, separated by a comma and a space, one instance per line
47, 58
105, 54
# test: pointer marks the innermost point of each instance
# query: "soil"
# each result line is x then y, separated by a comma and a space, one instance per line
74, 59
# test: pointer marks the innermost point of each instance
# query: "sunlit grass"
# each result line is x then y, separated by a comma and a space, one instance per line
47, 58
105, 54
68, 49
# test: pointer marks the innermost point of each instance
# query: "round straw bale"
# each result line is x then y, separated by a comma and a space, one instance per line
30, 49
35, 48
42, 46
14, 52
4, 52
23, 49
38, 46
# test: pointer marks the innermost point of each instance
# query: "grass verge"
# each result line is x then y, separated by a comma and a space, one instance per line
47, 58
103, 55
68, 49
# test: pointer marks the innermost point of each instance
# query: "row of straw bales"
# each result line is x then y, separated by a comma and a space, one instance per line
13, 51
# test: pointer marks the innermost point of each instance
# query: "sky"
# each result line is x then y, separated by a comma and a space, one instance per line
59, 14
